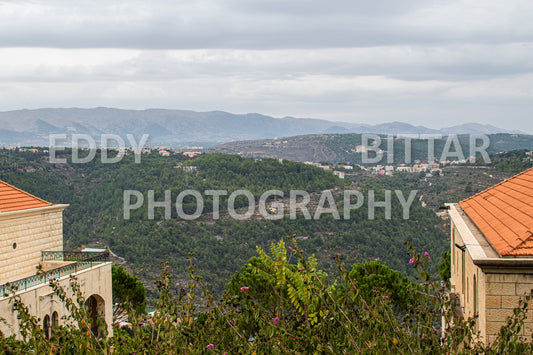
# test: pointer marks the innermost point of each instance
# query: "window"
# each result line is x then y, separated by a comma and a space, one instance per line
474, 294
46, 326
467, 293
55, 321
463, 271
476, 311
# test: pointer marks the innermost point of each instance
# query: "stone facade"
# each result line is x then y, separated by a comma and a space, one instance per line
504, 288
24, 234
42, 301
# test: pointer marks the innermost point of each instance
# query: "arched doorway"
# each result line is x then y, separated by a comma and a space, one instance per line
55, 321
96, 310
46, 326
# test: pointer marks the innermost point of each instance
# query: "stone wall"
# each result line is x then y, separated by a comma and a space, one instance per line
42, 301
504, 290
23, 235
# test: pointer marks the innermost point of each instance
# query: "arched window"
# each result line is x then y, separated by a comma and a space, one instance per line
474, 292
467, 293
55, 320
96, 307
46, 326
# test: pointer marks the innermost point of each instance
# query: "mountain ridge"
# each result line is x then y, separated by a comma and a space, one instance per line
178, 128
337, 148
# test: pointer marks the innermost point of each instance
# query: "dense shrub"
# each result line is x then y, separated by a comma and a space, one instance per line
282, 303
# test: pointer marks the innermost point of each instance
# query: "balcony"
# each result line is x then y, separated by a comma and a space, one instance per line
74, 256
54, 265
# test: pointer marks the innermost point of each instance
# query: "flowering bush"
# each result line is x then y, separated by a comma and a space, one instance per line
281, 303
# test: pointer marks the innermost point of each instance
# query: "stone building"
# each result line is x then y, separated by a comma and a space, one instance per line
492, 253
31, 235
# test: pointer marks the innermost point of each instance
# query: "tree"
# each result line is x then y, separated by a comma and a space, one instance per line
445, 266
127, 291
374, 278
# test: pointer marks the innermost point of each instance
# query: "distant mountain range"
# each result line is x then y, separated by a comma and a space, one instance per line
178, 128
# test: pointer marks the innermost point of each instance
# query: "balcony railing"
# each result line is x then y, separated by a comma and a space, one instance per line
79, 261
74, 256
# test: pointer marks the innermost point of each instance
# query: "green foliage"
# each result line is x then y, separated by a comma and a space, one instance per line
375, 279
513, 161
95, 194
127, 290
445, 269
277, 305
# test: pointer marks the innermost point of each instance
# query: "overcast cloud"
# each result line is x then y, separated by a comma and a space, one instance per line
435, 63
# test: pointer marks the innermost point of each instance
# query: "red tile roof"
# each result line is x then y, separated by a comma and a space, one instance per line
13, 199
504, 214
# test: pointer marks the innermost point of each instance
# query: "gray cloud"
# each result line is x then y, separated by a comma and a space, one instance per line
259, 24
431, 62
410, 63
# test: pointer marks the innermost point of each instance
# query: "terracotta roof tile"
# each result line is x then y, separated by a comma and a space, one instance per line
13, 199
504, 214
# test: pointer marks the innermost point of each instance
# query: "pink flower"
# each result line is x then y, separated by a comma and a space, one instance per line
386, 297
411, 261
276, 320
427, 255
210, 346
245, 288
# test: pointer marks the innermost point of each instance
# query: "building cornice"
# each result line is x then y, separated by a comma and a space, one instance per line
504, 262
32, 211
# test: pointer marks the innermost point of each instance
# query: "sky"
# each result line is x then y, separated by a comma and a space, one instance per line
425, 62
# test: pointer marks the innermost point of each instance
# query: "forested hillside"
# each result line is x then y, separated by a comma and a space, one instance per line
336, 148
95, 194
513, 161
